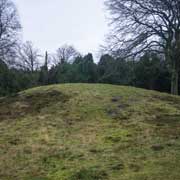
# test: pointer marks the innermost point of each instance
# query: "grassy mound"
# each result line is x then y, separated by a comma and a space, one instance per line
89, 132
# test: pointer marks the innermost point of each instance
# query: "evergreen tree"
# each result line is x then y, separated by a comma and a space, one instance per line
43, 77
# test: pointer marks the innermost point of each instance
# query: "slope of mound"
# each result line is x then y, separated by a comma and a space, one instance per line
89, 132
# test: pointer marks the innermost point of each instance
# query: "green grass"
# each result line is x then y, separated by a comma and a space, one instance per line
89, 132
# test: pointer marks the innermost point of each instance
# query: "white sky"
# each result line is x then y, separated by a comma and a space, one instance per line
52, 23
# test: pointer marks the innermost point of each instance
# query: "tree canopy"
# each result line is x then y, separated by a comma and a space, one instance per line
147, 25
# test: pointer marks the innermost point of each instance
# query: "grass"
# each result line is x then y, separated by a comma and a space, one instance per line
89, 132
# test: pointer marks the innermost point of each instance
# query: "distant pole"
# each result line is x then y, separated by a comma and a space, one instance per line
46, 60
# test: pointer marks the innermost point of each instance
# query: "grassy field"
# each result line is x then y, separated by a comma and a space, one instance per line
89, 132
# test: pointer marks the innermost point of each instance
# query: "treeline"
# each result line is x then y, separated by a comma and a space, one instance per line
149, 71
22, 66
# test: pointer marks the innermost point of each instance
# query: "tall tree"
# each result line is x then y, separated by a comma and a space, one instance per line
89, 69
141, 25
105, 65
151, 73
9, 30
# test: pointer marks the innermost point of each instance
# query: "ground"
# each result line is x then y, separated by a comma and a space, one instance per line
89, 132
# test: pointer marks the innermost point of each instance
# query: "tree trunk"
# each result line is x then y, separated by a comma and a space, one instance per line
174, 79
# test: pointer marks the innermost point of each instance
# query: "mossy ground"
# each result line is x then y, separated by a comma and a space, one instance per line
89, 132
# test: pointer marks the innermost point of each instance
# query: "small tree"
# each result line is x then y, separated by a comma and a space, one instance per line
65, 53
28, 57
43, 78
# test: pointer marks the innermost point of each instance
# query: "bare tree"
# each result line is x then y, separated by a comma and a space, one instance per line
141, 25
28, 57
9, 29
65, 53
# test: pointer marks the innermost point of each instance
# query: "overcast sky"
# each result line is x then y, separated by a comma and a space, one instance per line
52, 23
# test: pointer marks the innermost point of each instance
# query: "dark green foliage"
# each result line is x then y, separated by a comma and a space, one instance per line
4, 78
150, 72
88, 69
14, 80
105, 69
81, 70
43, 77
